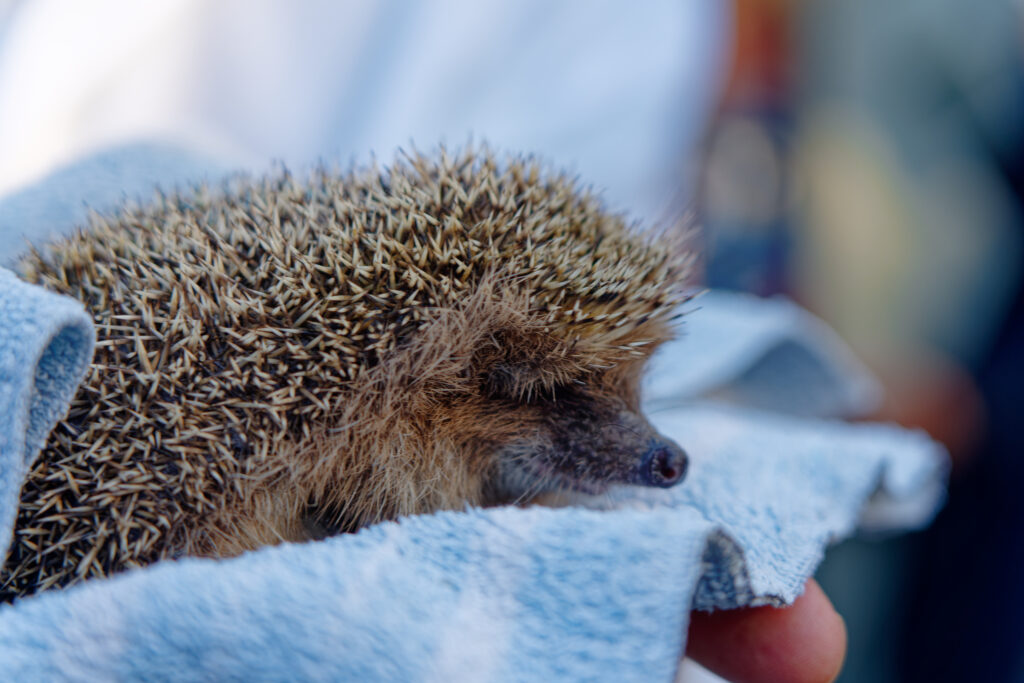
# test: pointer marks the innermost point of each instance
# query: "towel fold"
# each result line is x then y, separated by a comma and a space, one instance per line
764, 353
46, 343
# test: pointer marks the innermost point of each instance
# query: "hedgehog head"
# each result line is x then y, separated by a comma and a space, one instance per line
550, 411
522, 376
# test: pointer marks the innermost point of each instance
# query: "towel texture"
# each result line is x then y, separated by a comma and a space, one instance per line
46, 343
502, 594
597, 591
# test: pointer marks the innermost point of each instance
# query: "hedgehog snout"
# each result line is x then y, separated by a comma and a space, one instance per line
664, 464
646, 457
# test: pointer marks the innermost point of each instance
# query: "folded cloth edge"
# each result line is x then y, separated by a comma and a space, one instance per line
45, 350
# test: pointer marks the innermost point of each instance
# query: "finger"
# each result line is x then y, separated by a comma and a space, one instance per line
802, 643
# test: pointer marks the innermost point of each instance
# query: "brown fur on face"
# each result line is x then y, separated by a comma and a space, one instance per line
287, 358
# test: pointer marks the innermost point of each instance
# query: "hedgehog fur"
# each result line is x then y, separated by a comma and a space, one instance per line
280, 359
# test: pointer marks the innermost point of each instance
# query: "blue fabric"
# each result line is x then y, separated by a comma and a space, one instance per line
767, 353
600, 590
502, 594
62, 201
46, 343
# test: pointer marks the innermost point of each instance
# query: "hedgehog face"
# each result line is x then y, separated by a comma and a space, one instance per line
581, 436
579, 440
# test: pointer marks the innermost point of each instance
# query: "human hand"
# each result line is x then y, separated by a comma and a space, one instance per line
802, 643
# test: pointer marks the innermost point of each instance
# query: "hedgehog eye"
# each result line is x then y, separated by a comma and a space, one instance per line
525, 384
510, 380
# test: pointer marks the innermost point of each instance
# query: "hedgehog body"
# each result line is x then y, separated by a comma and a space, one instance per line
284, 359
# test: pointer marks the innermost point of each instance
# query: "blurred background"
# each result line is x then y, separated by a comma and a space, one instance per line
866, 159
862, 157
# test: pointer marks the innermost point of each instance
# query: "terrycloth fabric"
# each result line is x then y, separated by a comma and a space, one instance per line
46, 343
501, 594
767, 353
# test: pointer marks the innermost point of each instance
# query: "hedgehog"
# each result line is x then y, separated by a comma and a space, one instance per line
281, 359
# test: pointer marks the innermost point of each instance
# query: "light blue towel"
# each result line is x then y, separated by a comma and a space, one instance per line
46, 344
62, 201
768, 353
501, 594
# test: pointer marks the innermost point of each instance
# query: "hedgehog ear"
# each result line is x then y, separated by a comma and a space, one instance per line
512, 352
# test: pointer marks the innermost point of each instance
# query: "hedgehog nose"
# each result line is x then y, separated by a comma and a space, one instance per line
664, 465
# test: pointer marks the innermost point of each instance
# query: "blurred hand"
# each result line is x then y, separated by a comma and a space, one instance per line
802, 643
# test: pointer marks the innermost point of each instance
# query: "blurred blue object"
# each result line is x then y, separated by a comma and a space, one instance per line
62, 201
